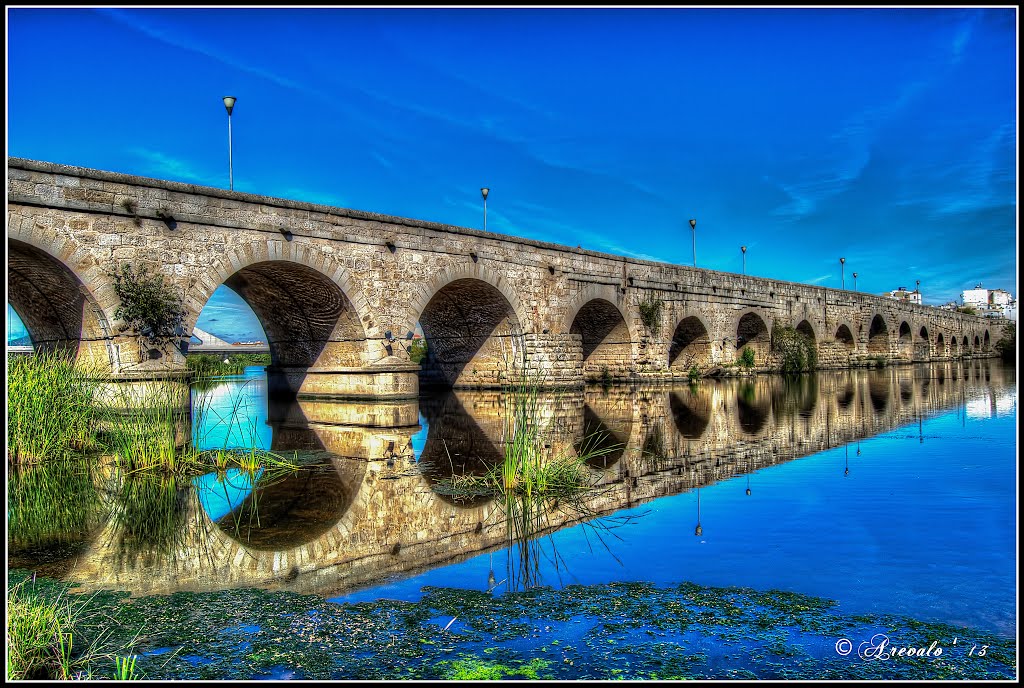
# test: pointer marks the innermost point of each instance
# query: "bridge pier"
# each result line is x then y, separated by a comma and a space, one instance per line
389, 381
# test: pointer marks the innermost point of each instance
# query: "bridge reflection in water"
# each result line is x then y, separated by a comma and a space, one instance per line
365, 507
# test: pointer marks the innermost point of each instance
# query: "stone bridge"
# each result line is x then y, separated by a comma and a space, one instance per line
339, 293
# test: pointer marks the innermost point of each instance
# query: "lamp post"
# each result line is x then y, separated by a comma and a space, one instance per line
693, 234
842, 271
855, 281
743, 250
483, 192
229, 105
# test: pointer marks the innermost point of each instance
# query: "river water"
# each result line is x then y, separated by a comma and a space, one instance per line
892, 491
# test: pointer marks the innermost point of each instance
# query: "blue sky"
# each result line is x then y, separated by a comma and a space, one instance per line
887, 136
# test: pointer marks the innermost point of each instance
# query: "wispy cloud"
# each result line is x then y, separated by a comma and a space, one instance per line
163, 166
138, 22
819, 279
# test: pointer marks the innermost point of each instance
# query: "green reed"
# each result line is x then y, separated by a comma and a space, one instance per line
51, 406
57, 636
530, 482
147, 425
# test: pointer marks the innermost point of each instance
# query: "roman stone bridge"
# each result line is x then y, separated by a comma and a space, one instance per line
339, 293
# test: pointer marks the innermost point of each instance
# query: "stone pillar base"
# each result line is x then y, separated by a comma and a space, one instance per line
380, 382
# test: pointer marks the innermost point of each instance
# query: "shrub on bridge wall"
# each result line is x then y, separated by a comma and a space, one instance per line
148, 306
798, 351
650, 314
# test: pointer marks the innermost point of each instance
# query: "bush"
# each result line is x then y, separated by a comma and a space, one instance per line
418, 350
148, 306
1007, 344
799, 352
650, 314
747, 357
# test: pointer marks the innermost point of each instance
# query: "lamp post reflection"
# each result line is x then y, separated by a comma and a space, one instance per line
699, 530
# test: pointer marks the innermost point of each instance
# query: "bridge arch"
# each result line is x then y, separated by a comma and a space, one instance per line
805, 328
986, 342
940, 345
906, 340
691, 344
309, 317
753, 330
597, 317
878, 336
59, 311
844, 337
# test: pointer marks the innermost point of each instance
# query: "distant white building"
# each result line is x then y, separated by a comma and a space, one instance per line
992, 303
903, 295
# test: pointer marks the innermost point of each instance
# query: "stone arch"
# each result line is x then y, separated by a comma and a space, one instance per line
473, 333
906, 340
805, 328
472, 271
310, 308
308, 318
940, 345
977, 343
986, 342
754, 331
691, 344
58, 307
844, 337
604, 337
878, 336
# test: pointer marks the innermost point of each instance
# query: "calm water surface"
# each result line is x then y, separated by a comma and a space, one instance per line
890, 491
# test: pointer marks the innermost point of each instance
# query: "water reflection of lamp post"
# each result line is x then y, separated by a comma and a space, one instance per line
846, 471
748, 484
698, 531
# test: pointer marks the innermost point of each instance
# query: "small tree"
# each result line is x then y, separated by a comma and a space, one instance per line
148, 306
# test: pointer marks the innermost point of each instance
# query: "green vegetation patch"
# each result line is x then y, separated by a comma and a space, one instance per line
602, 632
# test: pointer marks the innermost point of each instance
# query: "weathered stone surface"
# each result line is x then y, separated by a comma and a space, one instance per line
329, 284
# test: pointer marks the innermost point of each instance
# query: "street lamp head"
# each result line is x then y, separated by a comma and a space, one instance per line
743, 248
855, 275
842, 260
693, 224
484, 191
229, 103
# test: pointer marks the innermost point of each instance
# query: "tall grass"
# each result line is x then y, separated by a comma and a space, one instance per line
56, 637
148, 427
51, 406
530, 482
